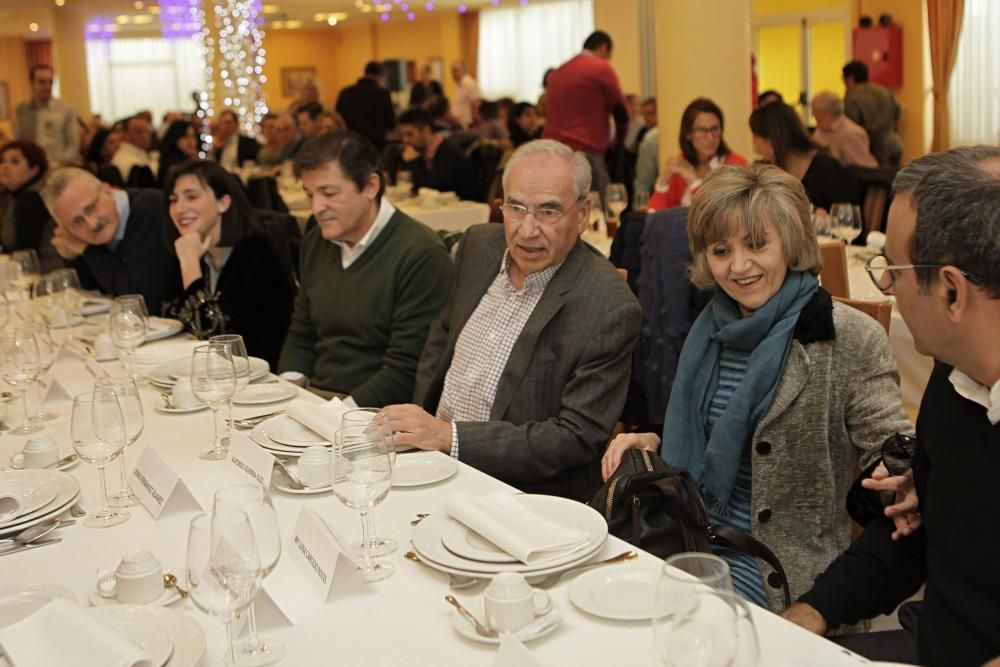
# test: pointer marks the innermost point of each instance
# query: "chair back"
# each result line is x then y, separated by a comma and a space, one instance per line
141, 176
880, 310
262, 191
833, 276
285, 237
486, 156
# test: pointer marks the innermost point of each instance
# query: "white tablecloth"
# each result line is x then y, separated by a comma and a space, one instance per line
403, 620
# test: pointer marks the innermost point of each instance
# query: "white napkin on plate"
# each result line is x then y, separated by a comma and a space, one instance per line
323, 418
525, 535
10, 507
875, 241
150, 356
82, 640
513, 653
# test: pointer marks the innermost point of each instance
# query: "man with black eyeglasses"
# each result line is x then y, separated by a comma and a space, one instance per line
525, 373
942, 264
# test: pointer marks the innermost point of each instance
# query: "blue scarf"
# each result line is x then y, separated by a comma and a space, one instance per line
766, 335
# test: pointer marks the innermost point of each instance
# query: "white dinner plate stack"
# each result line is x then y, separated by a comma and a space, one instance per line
448, 545
283, 436
166, 375
42, 495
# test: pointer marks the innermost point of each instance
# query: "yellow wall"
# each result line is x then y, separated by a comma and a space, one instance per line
620, 19
785, 6
721, 72
828, 56
13, 72
778, 60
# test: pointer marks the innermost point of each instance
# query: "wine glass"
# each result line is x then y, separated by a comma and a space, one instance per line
26, 273
46, 302
48, 350
253, 499
21, 367
98, 431
241, 362
222, 567
641, 201
597, 222
69, 283
128, 396
843, 223
709, 628
377, 425
617, 200
213, 380
361, 476
127, 324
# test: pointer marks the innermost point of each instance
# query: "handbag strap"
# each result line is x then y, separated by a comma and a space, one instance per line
732, 538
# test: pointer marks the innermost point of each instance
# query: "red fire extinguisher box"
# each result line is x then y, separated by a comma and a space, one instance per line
881, 48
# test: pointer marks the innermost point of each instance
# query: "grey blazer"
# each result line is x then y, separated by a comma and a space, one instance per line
69, 130
565, 381
836, 403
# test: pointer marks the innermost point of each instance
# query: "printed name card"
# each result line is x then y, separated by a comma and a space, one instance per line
301, 583
69, 377
158, 486
249, 461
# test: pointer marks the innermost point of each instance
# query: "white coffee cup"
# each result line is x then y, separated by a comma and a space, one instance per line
182, 395
314, 466
104, 347
38, 452
138, 579
511, 603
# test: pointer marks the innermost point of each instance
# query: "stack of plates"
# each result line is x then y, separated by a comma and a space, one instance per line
166, 375
448, 545
283, 436
43, 494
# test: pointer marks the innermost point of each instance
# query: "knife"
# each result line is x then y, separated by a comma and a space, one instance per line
33, 545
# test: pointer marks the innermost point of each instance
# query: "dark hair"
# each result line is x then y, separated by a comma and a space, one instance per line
355, 155
33, 154
417, 117
700, 105
230, 112
545, 77
439, 107
769, 93
96, 147
269, 116
596, 40
314, 109
489, 110
238, 221
374, 68
170, 154
778, 123
857, 70
37, 68
519, 110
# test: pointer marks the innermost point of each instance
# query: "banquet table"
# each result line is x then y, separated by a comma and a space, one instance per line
402, 620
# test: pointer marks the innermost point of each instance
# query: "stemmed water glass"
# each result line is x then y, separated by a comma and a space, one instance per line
128, 396
844, 223
26, 272
252, 499
48, 349
97, 428
377, 425
241, 363
127, 324
617, 199
213, 380
361, 476
21, 367
597, 220
223, 567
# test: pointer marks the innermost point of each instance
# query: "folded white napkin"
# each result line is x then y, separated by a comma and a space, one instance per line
10, 507
150, 356
83, 640
513, 653
323, 418
875, 240
525, 535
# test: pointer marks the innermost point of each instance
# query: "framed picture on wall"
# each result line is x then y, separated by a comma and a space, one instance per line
293, 78
4, 101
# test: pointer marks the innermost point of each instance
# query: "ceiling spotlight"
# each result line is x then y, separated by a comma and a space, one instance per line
33, 27
332, 20
60, 3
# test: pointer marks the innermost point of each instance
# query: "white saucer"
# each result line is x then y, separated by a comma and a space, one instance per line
534, 630
618, 592
259, 394
14, 465
160, 407
284, 430
130, 623
422, 468
279, 482
170, 595
30, 494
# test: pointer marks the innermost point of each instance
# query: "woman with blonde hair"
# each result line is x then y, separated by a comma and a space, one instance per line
779, 390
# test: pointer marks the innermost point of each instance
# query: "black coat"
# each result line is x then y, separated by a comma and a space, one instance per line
367, 110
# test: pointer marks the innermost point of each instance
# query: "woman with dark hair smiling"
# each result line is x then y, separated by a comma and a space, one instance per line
25, 223
180, 143
702, 150
782, 140
233, 279
524, 124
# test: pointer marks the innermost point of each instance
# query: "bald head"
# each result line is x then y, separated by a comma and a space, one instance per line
827, 107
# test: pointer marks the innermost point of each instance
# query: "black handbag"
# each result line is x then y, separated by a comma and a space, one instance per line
656, 507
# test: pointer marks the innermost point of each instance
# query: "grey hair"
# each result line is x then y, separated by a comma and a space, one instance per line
550, 148
59, 180
955, 195
830, 102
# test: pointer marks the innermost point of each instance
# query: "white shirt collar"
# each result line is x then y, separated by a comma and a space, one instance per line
350, 254
123, 207
988, 397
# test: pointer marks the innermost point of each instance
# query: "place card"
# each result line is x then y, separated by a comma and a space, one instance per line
158, 486
301, 583
248, 460
68, 378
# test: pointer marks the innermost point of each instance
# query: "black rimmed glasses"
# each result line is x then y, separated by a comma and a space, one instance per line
715, 131
882, 272
545, 215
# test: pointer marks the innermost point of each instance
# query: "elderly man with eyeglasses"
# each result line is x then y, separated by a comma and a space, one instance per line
942, 264
525, 373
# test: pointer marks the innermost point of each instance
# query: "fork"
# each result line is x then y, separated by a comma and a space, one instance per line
250, 422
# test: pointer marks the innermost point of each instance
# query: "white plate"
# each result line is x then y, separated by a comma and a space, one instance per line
31, 494
428, 545
16, 465
162, 327
154, 355
170, 595
279, 482
461, 541
286, 431
20, 601
422, 468
183, 631
67, 491
95, 305
619, 592
258, 394
131, 623
535, 630
258, 368
160, 407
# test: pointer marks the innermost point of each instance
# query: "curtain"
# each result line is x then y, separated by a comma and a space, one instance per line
129, 75
974, 94
469, 33
944, 23
38, 53
518, 44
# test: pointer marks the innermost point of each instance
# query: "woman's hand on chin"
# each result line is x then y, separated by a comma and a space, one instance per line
616, 450
190, 247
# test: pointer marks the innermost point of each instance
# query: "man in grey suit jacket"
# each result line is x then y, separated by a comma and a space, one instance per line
525, 373
47, 121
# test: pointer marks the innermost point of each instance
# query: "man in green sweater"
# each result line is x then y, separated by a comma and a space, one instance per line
372, 279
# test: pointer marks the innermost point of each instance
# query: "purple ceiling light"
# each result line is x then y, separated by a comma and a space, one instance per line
180, 19
100, 27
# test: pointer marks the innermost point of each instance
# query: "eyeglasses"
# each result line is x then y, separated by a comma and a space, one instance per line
715, 131
546, 215
897, 453
881, 272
